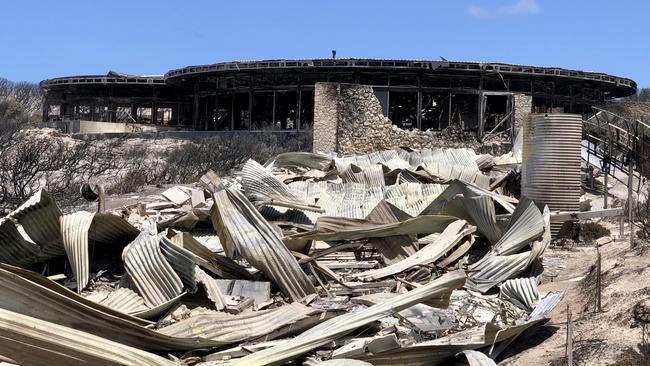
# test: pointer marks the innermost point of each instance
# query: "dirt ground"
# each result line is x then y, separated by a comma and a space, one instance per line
599, 337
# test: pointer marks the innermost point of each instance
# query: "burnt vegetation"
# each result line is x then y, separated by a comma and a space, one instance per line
32, 161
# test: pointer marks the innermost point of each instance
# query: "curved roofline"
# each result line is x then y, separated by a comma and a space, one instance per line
386, 64
110, 78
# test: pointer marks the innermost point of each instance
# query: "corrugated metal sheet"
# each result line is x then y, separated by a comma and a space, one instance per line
337, 362
392, 248
546, 305
476, 358
222, 266
481, 210
34, 342
242, 229
211, 289
335, 328
226, 328
494, 269
74, 233
16, 249
443, 244
551, 161
125, 300
338, 228
261, 186
526, 224
112, 230
151, 274
33, 295
157, 311
371, 176
81, 228
439, 351
522, 292
39, 216
182, 261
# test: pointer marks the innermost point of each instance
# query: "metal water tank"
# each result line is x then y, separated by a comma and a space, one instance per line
551, 162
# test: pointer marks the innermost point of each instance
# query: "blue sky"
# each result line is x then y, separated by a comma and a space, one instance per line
50, 38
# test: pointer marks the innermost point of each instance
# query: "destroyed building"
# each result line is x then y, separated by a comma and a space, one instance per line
279, 95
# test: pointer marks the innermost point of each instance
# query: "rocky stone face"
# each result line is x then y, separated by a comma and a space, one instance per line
348, 119
326, 117
523, 109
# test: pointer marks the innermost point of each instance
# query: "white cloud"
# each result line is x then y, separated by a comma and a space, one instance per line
521, 7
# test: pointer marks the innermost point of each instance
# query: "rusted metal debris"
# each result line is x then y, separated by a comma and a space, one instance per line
283, 261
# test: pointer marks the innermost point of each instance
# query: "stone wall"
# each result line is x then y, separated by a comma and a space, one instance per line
523, 109
326, 117
349, 120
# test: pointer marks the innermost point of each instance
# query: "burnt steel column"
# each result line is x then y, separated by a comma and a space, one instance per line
195, 108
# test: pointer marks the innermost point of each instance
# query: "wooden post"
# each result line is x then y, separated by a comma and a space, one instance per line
598, 285
606, 189
569, 337
630, 197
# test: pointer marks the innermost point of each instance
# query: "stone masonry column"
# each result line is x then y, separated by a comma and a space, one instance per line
523, 109
326, 117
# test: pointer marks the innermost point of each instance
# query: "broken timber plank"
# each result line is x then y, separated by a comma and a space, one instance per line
566, 216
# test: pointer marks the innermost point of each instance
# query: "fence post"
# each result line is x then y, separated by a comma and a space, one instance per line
598, 286
569, 337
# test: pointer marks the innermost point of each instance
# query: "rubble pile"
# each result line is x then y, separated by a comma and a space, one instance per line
395, 257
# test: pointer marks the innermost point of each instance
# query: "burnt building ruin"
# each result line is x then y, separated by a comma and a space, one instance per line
278, 95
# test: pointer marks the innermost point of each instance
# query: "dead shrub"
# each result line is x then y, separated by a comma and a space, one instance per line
632, 357
590, 231
132, 181
224, 154
586, 231
642, 214
584, 352
30, 163
34, 161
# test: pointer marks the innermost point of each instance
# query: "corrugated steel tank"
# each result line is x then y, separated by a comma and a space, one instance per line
551, 162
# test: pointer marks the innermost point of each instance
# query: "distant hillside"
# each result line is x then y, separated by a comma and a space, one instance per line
23, 96
631, 110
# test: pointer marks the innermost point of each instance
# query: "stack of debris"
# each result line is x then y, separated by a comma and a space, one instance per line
396, 257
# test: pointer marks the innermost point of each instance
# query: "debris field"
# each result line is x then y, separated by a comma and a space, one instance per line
397, 257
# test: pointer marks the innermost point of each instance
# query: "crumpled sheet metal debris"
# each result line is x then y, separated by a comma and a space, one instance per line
74, 232
125, 300
39, 217
526, 224
372, 176
476, 358
439, 289
438, 351
228, 329
481, 210
182, 261
30, 294
392, 248
243, 230
336, 362
336, 228
16, 249
451, 236
211, 288
34, 342
410, 224
264, 188
80, 229
522, 292
150, 272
